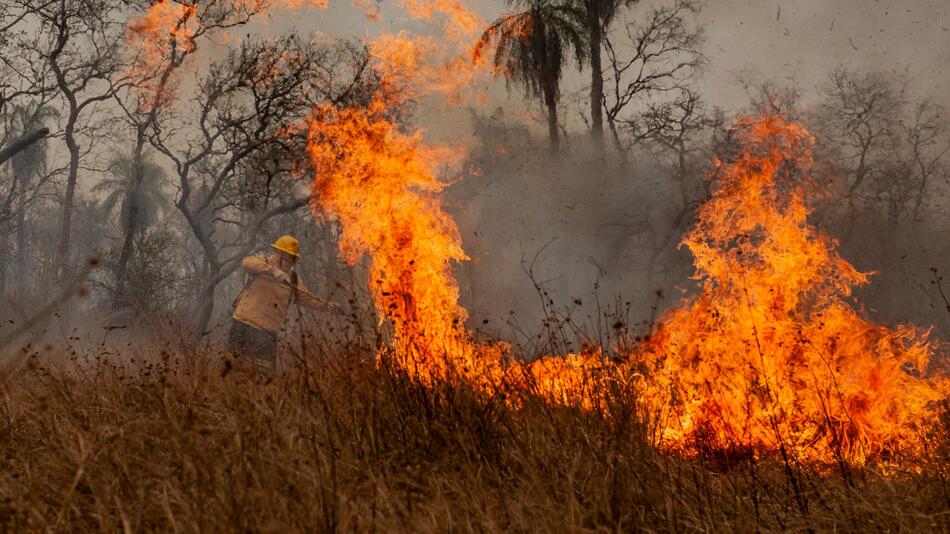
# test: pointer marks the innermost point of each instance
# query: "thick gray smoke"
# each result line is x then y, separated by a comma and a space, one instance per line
575, 220
590, 223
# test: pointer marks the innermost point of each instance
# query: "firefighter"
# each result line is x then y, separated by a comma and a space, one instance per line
271, 285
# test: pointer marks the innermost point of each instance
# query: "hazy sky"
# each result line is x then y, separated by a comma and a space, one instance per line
804, 39
779, 40
787, 40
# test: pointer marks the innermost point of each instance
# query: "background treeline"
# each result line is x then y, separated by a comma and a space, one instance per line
171, 158
606, 206
165, 165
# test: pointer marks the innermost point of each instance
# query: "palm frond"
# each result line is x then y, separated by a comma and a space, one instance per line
528, 46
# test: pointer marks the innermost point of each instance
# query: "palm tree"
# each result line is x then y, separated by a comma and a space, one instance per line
135, 190
121, 193
27, 165
529, 47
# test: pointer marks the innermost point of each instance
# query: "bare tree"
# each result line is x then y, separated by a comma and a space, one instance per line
681, 134
658, 55
859, 114
767, 97
242, 111
928, 145
890, 185
908, 162
82, 42
158, 55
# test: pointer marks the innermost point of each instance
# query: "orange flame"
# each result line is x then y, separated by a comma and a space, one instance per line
167, 26
770, 355
380, 185
461, 23
165, 20
166, 34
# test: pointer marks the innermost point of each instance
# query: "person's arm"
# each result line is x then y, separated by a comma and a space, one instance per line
258, 265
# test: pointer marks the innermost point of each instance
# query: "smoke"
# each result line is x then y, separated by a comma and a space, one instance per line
589, 223
580, 220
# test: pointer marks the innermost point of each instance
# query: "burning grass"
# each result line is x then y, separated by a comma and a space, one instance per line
770, 357
348, 444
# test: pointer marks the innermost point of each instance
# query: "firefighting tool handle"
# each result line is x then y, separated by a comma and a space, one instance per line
332, 306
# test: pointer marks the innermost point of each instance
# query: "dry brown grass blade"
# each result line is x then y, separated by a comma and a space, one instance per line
349, 445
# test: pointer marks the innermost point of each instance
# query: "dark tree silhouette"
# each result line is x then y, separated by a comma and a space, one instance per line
529, 47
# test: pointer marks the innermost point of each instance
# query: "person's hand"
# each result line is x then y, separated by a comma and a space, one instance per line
281, 276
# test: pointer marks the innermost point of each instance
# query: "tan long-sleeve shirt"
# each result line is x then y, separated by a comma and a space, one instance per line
263, 303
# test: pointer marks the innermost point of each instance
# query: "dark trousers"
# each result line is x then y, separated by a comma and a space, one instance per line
258, 346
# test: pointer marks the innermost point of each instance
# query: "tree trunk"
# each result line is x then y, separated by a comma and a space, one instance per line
119, 299
23, 263
138, 168
922, 188
597, 74
618, 144
206, 307
683, 174
69, 135
862, 170
550, 101
66, 228
4, 259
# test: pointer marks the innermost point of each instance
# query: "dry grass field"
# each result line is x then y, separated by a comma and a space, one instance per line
173, 441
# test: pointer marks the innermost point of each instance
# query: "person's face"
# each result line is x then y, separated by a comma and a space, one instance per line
286, 260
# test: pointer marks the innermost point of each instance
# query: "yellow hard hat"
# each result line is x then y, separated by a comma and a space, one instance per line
288, 245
